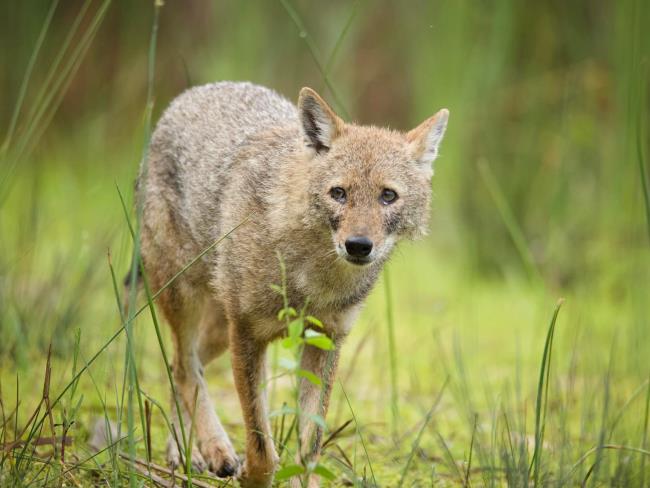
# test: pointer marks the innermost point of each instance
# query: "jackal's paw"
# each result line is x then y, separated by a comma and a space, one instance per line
220, 457
174, 458
259, 474
247, 480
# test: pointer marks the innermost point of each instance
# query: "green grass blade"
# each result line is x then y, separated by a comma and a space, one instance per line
315, 54
161, 344
341, 37
509, 220
450, 459
643, 175
130, 360
363, 442
416, 443
468, 468
28, 75
55, 66
644, 441
57, 91
542, 397
617, 447
392, 353
596, 467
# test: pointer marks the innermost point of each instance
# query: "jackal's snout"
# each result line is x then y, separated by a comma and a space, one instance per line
358, 246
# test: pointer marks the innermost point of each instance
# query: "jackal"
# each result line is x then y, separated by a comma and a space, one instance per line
331, 197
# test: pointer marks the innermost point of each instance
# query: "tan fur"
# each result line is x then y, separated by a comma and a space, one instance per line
228, 153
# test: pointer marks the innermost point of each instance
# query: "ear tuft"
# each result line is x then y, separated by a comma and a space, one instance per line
426, 137
320, 124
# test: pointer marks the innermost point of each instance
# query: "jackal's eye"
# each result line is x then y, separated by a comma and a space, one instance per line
338, 194
388, 196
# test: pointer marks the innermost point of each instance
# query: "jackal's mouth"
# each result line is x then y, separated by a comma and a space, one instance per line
359, 261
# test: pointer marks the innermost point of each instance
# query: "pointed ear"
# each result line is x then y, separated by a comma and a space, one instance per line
426, 137
320, 125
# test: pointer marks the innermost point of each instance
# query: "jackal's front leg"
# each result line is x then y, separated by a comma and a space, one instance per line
248, 357
314, 400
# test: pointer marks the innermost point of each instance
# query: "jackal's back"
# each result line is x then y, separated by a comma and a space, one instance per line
196, 141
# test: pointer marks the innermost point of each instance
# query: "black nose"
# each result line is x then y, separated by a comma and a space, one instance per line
358, 246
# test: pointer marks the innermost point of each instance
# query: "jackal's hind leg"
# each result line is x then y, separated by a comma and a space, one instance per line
213, 443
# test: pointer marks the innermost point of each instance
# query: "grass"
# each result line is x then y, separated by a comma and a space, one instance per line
454, 374
541, 403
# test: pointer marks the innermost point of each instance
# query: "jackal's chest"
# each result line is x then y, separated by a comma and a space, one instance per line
334, 324
330, 290
334, 302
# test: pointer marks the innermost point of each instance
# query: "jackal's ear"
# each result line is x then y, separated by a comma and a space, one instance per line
426, 137
320, 125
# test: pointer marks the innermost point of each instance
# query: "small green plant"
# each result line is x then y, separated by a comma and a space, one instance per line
301, 331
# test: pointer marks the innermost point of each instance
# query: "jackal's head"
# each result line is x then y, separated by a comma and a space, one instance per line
370, 186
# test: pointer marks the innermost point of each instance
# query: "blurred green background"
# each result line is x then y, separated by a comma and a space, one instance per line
539, 194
